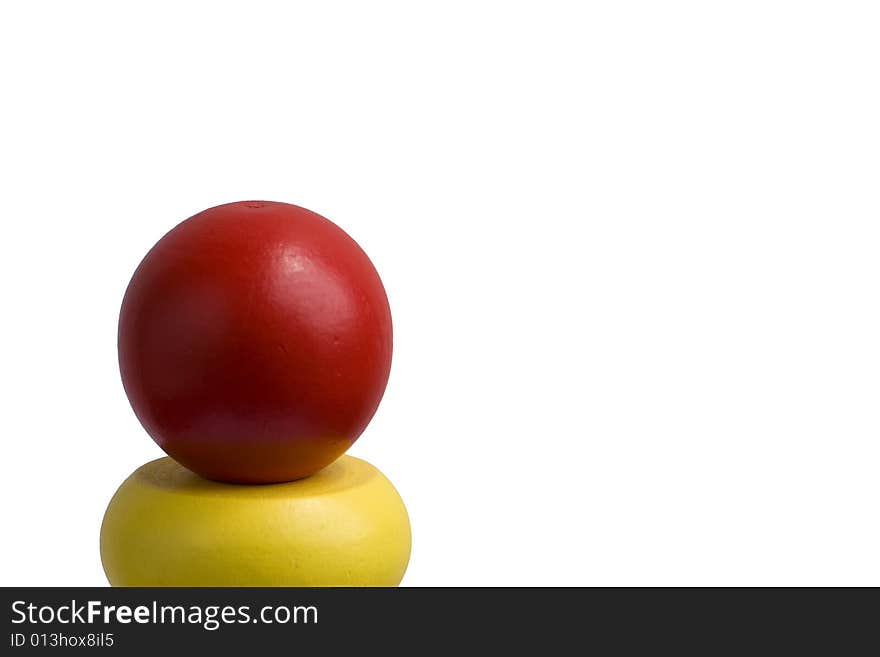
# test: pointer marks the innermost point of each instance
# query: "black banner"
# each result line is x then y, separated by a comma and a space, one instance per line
418, 621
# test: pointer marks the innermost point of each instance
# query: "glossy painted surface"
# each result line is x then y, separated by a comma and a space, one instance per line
255, 342
344, 526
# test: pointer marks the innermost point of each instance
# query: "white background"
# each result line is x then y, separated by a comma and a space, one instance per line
632, 251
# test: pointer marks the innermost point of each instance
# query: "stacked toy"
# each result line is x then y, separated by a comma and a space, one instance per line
255, 346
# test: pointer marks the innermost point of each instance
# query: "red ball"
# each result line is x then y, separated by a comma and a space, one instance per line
255, 342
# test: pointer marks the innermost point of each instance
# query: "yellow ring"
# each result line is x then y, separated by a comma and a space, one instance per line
343, 526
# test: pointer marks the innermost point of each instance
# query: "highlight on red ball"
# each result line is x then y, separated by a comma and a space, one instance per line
255, 342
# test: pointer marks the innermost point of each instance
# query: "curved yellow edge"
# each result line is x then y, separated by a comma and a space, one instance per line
343, 526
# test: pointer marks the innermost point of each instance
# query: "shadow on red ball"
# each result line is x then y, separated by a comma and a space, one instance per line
255, 342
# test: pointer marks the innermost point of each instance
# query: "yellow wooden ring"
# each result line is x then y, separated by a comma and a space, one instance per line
343, 526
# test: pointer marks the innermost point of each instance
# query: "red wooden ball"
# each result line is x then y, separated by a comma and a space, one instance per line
255, 342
